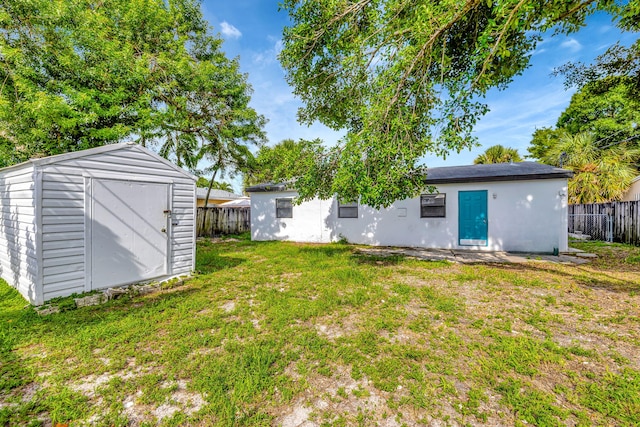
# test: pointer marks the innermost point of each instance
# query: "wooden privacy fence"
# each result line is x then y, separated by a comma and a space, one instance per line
625, 218
215, 221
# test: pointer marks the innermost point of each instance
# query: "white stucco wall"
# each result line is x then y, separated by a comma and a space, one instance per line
524, 216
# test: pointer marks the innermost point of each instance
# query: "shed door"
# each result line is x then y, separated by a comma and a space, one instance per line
472, 218
128, 231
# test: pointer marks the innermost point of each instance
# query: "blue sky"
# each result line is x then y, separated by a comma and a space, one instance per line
252, 31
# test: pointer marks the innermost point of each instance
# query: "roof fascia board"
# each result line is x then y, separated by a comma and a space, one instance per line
17, 167
268, 188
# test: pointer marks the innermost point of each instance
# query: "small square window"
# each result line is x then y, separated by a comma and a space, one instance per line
347, 210
284, 208
433, 205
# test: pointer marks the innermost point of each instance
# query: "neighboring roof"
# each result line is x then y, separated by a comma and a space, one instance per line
201, 193
243, 202
495, 172
98, 150
470, 173
267, 187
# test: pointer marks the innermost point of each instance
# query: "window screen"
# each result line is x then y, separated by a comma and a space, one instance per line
433, 205
284, 208
347, 210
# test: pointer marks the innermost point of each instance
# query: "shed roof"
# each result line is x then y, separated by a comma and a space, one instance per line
469, 173
98, 150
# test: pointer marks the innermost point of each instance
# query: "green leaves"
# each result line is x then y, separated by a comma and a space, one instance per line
80, 74
596, 139
283, 162
600, 175
406, 78
498, 154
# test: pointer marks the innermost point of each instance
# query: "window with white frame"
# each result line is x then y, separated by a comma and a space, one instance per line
433, 205
284, 208
347, 209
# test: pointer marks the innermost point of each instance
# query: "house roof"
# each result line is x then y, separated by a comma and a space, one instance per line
242, 202
470, 173
201, 193
98, 150
495, 172
267, 187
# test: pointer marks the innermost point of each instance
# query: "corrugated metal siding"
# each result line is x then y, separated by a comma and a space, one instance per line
63, 219
18, 258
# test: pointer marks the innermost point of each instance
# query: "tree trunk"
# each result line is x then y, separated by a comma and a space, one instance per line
213, 177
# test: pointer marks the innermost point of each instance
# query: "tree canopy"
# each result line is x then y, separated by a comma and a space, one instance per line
76, 74
204, 182
616, 61
607, 108
599, 175
498, 154
407, 77
284, 161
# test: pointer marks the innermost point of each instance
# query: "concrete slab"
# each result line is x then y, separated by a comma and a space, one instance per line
470, 257
572, 251
586, 255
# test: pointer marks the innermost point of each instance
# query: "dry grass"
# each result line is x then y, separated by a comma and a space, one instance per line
316, 335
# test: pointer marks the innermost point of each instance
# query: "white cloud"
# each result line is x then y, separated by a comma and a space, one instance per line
270, 55
572, 44
605, 29
229, 30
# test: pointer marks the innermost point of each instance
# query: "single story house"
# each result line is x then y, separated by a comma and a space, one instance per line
94, 219
216, 197
518, 207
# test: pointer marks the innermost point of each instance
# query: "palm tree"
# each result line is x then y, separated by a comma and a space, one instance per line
600, 174
204, 182
498, 154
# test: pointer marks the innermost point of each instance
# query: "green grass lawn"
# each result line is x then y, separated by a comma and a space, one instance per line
273, 333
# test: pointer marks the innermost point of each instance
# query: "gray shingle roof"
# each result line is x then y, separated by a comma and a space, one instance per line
266, 187
495, 172
470, 173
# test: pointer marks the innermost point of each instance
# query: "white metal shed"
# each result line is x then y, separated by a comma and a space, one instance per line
93, 219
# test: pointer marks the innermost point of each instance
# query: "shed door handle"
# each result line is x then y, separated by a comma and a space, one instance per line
163, 229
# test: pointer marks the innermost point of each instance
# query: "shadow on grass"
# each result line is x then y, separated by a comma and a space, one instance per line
329, 250
210, 262
378, 260
13, 318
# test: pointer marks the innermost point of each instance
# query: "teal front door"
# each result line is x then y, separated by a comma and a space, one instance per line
472, 218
